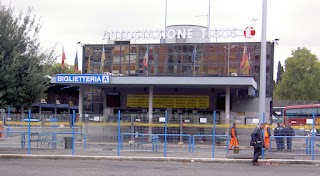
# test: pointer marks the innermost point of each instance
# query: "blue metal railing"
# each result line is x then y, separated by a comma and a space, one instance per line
178, 135
154, 139
308, 142
217, 137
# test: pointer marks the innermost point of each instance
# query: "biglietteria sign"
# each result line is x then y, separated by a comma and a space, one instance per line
83, 78
172, 34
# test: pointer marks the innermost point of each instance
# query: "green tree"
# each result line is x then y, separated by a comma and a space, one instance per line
22, 61
300, 80
57, 69
279, 73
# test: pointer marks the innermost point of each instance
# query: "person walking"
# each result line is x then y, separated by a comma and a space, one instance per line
278, 132
257, 142
283, 133
289, 132
267, 134
234, 137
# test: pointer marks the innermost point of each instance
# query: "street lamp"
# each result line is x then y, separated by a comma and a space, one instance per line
275, 41
228, 48
254, 26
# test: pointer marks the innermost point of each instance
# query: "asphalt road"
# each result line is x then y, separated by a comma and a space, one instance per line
46, 167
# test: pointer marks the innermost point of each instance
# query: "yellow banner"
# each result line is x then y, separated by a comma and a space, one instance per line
168, 101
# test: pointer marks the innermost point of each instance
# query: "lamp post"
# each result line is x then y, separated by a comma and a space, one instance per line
228, 48
263, 58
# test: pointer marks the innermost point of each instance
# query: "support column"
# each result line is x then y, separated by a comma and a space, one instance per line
55, 106
40, 114
80, 111
105, 111
181, 129
227, 109
150, 109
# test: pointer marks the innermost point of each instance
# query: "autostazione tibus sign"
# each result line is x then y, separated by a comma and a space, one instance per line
173, 33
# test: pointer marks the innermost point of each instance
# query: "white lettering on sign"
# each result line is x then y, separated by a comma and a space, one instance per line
171, 34
190, 33
203, 31
83, 79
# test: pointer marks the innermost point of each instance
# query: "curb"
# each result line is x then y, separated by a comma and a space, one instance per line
159, 159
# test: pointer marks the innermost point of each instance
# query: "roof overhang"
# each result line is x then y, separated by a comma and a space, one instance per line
165, 81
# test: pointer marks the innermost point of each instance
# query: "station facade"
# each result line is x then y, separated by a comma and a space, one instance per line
183, 77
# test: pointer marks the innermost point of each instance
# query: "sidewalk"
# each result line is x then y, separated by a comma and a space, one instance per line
175, 153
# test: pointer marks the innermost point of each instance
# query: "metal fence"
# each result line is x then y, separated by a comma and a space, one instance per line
164, 136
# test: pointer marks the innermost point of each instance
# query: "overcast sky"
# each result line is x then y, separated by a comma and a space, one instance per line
66, 22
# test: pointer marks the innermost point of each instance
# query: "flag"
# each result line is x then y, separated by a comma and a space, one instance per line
89, 66
146, 58
103, 58
247, 66
245, 63
76, 63
63, 58
244, 57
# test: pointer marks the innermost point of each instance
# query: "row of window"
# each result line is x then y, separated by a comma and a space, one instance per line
302, 112
174, 48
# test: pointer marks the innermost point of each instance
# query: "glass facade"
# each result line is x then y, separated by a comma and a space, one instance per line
174, 59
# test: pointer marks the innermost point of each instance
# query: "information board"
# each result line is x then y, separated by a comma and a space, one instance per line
168, 101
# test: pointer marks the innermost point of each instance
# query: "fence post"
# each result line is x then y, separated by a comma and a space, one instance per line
313, 133
29, 142
213, 133
119, 133
165, 133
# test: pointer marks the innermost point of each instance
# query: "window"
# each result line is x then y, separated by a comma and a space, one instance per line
308, 111
293, 112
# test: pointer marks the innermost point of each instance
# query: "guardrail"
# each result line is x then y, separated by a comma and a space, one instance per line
178, 135
216, 139
140, 141
309, 143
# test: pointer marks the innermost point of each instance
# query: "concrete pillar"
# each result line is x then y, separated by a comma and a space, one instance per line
105, 111
150, 109
227, 110
181, 129
81, 115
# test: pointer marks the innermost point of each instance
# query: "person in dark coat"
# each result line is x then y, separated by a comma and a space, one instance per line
278, 131
289, 132
257, 142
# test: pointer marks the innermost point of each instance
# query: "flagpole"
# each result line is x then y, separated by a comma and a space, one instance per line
147, 67
165, 20
209, 26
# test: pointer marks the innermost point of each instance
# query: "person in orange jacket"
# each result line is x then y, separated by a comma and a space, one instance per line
234, 137
267, 134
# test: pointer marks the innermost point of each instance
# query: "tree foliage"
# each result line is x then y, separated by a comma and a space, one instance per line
279, 73
56, 68
300, 80
22, 61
